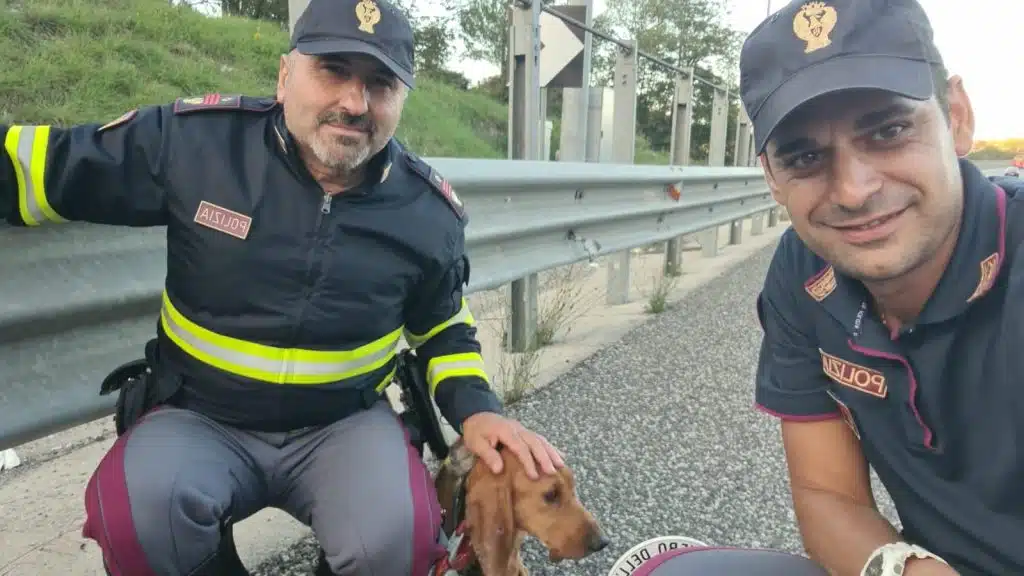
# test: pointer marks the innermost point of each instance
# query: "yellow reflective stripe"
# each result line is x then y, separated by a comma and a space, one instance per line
27, 147
463, 316
271, 364
441, 368
386, 381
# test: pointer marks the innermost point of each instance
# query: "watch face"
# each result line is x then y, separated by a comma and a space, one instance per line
874, 567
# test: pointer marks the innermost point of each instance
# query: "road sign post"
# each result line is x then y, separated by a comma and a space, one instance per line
525, 134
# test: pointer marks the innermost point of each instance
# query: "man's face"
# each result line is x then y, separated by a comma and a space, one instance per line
870, 179
342, 109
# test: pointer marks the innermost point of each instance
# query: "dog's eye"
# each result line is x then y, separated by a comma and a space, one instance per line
551, 496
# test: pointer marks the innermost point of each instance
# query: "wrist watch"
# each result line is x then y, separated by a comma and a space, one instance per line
891, 559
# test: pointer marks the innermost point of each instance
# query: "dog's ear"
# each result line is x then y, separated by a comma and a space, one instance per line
490, 519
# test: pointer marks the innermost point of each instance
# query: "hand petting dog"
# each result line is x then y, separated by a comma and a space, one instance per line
483, 432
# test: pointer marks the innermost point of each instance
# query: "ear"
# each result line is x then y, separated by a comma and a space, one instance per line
282, 76
961, 116
490, 521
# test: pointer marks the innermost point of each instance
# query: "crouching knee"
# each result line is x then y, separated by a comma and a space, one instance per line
398, 545
165, 525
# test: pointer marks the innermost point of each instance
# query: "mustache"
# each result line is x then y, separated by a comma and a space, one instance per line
362, 123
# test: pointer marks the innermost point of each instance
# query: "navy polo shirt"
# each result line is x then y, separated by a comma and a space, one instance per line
939, 406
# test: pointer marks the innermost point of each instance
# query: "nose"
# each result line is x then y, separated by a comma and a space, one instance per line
598, 541
354, 97
856, 179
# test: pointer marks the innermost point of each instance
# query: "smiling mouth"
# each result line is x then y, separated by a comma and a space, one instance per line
873, 223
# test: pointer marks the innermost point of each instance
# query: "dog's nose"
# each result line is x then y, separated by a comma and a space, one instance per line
598, 541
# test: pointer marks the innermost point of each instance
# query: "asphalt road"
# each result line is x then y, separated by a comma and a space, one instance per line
660, 431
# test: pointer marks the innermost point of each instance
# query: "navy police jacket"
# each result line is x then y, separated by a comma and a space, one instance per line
281, 304
938, 407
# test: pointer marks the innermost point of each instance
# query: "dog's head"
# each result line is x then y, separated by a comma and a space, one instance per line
501, 507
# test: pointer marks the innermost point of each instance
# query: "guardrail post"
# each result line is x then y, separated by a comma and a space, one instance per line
716, 157
757, 224
719, 126
623, 152
679, 154
525, 142
773, 217
744, 139
595, 103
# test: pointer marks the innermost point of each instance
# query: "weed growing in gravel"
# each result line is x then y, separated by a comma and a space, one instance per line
562, 299
562, 302
657, 300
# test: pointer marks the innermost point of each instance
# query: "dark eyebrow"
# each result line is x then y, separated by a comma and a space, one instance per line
870, 120
798, 144
877, 117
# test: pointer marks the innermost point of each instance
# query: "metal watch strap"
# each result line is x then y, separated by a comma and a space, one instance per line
885, 560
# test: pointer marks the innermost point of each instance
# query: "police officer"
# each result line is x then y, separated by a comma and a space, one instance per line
891, 309
303, 241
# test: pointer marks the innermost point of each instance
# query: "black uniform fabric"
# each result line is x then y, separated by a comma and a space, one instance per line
937, 406
257, 252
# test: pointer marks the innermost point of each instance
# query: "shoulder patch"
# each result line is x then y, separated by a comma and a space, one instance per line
119, 121
222, 102
438, 183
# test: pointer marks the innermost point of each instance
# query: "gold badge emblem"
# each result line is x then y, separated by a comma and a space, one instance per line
368, 14
813, 23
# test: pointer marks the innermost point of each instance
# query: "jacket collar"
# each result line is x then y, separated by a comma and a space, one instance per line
378, 166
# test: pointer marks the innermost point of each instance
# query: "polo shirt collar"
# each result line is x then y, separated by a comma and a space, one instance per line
980, 249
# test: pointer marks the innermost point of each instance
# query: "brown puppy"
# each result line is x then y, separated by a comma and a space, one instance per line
501, 509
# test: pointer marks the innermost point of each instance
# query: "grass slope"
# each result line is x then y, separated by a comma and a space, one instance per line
73, 61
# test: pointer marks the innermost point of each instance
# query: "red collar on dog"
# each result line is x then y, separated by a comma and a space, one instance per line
460, 554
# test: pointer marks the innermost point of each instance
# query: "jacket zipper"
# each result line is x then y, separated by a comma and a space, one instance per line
311, 260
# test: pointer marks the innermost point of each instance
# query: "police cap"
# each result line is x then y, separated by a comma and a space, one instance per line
372, 27
808, 49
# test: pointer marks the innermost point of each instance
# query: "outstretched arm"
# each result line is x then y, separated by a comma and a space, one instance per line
110, 174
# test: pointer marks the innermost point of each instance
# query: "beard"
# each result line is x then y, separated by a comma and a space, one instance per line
344, 153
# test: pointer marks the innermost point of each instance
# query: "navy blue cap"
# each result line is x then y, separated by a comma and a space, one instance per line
808, 49
372, 27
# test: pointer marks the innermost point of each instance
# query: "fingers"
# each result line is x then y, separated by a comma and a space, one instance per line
540, 450
514, 439
533, 450
483, 450
556, 457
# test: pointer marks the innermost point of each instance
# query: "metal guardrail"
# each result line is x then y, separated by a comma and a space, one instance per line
79, 299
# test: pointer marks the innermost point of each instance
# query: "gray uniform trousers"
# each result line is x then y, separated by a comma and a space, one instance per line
157, 500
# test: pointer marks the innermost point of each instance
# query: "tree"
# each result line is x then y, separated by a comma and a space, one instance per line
433, 47
683, 33
272, 10
484, 29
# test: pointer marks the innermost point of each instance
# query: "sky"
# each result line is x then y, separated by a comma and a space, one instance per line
979, 40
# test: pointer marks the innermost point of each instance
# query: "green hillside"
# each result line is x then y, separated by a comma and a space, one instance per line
71, 61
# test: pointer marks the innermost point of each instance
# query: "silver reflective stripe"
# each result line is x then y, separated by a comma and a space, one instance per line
284, 367
463, 316
20, 152
25, 141
464, 364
